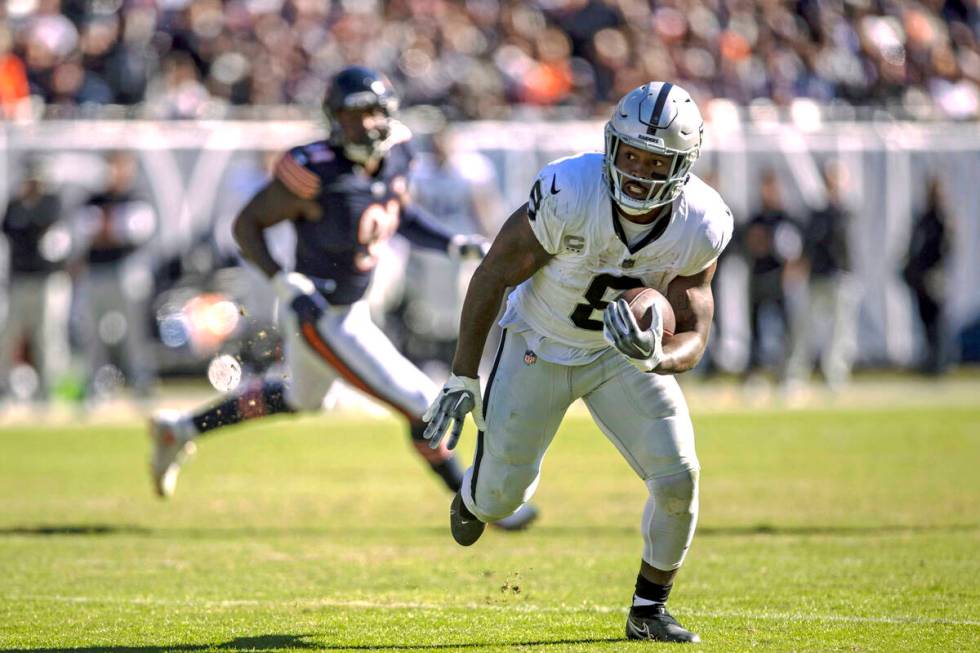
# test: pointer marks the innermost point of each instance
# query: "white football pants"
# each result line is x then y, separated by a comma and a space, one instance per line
346, 344
644, 415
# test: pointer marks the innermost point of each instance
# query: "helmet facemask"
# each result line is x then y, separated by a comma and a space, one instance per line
361, 143
662, 119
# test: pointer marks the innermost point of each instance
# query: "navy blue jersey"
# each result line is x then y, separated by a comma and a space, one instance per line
360, 212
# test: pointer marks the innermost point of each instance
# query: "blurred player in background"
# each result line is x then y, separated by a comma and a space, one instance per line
595, 225
460, 190
345, 197
116, 281
925, 272
38, 298
770, 243
831, 289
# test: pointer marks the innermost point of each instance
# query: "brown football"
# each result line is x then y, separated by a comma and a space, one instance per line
641, 299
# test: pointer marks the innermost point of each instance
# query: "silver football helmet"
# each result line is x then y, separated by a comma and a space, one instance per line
657, 117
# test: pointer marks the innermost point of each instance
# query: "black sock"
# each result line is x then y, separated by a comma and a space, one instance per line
447, 469
257, 400
650, 591
450, 472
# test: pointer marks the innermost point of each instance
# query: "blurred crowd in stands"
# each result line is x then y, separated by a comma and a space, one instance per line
486, 59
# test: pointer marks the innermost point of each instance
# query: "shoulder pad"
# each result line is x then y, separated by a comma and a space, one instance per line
293, 171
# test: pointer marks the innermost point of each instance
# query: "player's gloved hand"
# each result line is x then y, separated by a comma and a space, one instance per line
643, 349
472, 246
298, 292
460, 395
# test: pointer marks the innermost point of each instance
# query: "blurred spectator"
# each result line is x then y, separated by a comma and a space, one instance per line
831, 294
771, 244
459, 188
117, 281
926, 275
38, 294
178, 93
14, 88
479, 58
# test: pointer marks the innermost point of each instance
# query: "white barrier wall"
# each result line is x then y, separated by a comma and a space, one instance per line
199, 173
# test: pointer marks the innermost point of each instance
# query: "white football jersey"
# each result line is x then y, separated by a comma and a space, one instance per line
559, 309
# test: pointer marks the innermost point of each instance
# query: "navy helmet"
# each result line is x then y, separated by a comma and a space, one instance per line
355, 89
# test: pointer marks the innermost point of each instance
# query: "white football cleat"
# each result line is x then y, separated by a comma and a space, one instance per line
172, 434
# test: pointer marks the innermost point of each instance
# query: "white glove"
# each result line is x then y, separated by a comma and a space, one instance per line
290, 284
463, 247
460, 395
643, 349
297, 292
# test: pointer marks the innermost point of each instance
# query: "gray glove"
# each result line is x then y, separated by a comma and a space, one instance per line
643, 349
460, 395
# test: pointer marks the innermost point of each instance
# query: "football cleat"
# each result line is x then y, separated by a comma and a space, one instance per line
654, 623
521, 519
171, 434
465, 529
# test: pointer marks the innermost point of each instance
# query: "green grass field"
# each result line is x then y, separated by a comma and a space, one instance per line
844, 530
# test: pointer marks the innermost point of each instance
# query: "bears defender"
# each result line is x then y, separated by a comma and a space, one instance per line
596, 224
345, 197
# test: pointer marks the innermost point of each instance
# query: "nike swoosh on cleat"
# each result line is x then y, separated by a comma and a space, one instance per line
644, 633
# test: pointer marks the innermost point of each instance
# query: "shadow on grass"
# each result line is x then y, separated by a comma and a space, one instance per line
846, 531
280, 642
358, 533
258, 643
49, 530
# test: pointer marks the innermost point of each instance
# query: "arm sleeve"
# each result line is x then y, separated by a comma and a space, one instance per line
293, 171
715, 234
544, 210
423, 229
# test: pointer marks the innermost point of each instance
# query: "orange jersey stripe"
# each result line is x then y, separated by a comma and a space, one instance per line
288, 173
320, 346
297, 178
302, 173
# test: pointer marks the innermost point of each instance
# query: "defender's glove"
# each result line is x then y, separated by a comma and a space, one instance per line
459, 396
298, 292
463, 247
643, 349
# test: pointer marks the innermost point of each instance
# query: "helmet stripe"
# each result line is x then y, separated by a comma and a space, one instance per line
659, 107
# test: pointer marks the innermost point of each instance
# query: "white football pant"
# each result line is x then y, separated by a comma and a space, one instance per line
346, 344
644, 415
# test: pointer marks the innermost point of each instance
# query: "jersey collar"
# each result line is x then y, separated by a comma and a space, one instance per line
659, 227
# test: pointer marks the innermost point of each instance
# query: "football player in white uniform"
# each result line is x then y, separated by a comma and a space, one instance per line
596, 224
